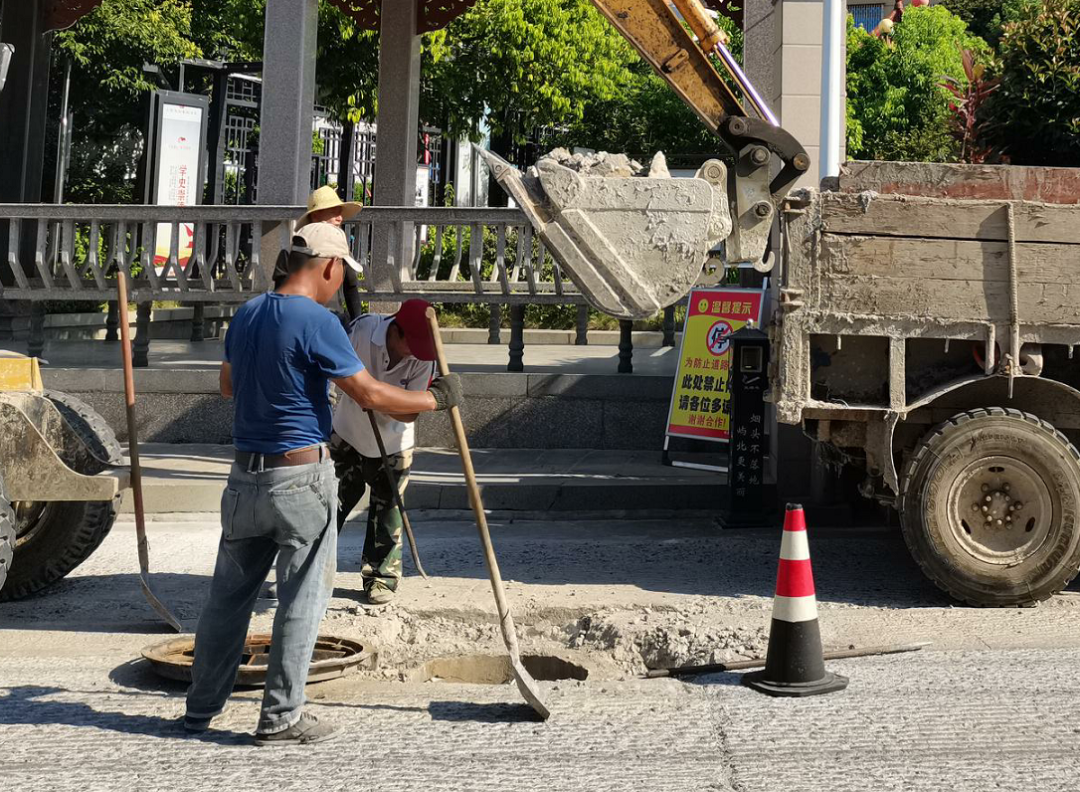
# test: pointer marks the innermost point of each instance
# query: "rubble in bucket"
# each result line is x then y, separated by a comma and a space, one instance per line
632, 238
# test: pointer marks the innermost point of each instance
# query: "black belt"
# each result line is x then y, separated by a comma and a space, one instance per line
298, 456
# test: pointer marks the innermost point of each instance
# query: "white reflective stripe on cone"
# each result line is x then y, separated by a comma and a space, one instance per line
794, 547
794, 609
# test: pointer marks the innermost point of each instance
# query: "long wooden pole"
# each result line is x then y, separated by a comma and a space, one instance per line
391, 476
759, 662
133, 454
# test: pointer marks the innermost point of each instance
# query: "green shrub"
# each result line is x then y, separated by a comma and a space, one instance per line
1035, 113
987, 18
897, 107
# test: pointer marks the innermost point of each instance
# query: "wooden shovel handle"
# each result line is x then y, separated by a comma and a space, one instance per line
505, 620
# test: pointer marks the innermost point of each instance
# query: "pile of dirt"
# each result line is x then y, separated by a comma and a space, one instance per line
611, 166
640, 640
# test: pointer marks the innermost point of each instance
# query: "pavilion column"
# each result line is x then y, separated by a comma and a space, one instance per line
288, 105
23, 105
396, 130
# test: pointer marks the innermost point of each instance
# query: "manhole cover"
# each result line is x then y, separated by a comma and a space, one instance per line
332, 657
495, 669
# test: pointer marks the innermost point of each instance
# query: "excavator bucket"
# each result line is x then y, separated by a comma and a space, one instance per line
633, 241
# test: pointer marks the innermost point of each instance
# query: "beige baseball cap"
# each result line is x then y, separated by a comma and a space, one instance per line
324, 240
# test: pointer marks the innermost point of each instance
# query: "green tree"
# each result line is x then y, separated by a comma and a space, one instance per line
1035, 113
987, 18
107, 49
897, 107
515, 65
645, 116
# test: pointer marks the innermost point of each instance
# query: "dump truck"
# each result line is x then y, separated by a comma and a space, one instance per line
62, 475
925, 324
923, 317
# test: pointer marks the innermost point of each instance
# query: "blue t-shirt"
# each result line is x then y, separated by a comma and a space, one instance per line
284, 350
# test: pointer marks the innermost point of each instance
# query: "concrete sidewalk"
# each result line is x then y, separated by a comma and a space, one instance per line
190, 478
465, 357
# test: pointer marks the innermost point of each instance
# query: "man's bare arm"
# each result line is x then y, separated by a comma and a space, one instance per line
371, 394
225, 380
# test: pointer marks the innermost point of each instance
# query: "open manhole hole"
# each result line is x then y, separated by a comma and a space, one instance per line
495, 669
332, 657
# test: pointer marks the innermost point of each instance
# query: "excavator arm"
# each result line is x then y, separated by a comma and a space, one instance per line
658, 34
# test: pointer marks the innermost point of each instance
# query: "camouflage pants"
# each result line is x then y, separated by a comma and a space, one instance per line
381, 562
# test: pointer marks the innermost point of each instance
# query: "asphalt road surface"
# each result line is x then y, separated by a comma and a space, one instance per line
991, 705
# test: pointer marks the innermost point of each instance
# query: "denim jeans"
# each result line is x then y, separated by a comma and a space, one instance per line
288, 512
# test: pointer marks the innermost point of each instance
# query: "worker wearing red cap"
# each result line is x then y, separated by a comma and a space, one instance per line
397, 350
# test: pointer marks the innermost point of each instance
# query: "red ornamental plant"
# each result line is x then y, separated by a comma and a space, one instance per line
969, 96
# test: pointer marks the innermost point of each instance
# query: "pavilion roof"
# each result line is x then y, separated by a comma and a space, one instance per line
432, 14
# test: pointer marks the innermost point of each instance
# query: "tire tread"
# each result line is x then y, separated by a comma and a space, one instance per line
934, 439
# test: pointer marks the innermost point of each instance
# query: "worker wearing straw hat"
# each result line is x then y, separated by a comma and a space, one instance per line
324, 206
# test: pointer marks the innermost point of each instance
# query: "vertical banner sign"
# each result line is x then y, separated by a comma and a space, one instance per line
178, 176
700, 399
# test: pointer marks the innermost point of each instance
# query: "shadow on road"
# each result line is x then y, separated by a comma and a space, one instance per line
482, 713
30, 705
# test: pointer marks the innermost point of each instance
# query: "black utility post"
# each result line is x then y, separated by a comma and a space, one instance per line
745, 502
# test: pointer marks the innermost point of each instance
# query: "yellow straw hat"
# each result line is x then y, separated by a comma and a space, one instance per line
327, 198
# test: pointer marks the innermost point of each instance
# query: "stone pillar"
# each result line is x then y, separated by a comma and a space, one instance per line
782, 47
397, 124
140, 346
626, 346
517, 338
581, 337
35, 344
23, 103
23, 106
669, 327
288, 103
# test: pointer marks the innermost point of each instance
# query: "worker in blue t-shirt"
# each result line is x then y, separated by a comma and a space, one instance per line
282, 350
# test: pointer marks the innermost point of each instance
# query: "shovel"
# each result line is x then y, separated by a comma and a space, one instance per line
136, 471
391, 476
526, 684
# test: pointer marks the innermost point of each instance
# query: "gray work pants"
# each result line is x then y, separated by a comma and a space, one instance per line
288, 512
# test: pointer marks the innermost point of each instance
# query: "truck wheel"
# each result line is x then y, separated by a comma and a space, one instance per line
52, 538
7, 535
989, 507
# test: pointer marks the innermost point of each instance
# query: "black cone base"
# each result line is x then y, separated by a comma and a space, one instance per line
830, 683
795, 664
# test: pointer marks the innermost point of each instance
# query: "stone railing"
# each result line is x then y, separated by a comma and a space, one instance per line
225, 255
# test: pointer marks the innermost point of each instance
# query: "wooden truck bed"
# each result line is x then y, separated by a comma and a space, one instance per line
895, 280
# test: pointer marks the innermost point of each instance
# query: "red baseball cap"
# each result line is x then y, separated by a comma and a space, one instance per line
412, 319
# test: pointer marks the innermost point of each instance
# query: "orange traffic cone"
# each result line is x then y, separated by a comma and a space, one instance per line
795, 664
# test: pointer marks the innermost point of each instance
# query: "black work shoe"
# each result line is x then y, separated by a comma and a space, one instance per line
306, 730
196, 725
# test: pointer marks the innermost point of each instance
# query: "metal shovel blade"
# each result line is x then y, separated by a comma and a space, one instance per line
633, 245
527, 687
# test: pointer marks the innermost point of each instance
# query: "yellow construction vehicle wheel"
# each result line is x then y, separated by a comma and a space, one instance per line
54, 537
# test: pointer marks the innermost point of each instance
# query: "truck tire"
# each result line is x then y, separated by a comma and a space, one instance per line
7, 535
989, 507
55, 537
